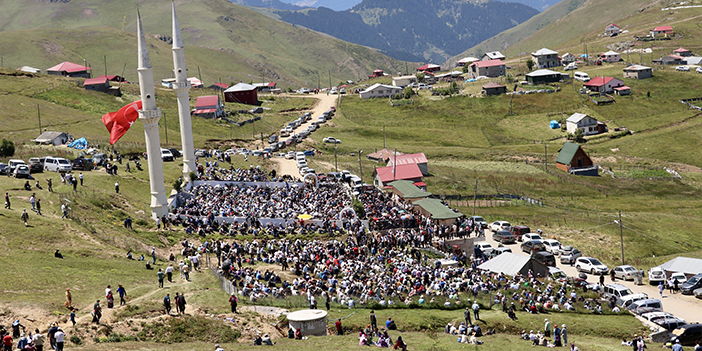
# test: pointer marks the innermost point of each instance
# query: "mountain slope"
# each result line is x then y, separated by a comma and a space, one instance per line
560, 23
414, 29
247, 43
271, 4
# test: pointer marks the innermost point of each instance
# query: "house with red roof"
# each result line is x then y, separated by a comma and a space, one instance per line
429, 67
218, 86
384, 175
419, 159
603, 84
209, 106
101, 84
612, 30
383, 155
682, 52
69, 69
115, 78
265, 87
490, 69
662, 31
377, 73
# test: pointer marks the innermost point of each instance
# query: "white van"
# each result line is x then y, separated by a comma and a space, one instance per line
57, 164
581, 76
356, 181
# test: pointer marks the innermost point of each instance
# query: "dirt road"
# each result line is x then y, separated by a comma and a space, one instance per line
324, 103
686, 307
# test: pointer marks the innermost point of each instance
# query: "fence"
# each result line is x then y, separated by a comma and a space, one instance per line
224, 283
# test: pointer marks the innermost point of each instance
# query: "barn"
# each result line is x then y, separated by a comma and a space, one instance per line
573, 159
69, 69
242, 93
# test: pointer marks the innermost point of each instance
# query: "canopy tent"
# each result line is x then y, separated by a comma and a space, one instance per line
554, 124
79, 144
512, 264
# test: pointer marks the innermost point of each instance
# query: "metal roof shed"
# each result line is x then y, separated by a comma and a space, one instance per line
512, 264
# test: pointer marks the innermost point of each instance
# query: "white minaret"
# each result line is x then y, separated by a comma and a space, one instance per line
150, 115
182, 87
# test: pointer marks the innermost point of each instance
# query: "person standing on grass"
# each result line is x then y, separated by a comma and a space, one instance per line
69, 300
117, 187
122, 292
167, 303
33, 201
169, 273
63, 209
25, 217
160, 278
80, 176
39, 207
373, 320
466, 316
339, 328
153, 254
50, 183
7, 201
476, 310
233, 302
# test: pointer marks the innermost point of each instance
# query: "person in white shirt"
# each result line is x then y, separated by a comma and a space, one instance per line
58, 336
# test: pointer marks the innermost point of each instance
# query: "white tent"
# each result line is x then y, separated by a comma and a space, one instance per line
687, 265
512, 264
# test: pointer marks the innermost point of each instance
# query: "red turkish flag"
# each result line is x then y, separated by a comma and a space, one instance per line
118, 123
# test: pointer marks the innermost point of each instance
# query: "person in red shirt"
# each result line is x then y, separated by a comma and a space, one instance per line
339, 329
7, 343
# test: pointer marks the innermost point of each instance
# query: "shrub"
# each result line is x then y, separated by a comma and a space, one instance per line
7, 148
76, 340
177, 184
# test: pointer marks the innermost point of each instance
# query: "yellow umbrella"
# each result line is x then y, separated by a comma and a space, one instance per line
304, 216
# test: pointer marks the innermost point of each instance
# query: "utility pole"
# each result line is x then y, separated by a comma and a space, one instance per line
319, 85
336, 165
360, 167
200, 76
475, 195
384, 135
330, 80
165, 126
621, 234
39, 116
545, 156
104, 57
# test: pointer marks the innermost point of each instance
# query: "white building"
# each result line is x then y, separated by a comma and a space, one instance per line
581, 121
612, 30
545, 58
611, 56
493, 55
568, 58
403, 81
380, 91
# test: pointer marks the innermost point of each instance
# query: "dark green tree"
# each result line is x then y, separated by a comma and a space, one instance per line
7, 148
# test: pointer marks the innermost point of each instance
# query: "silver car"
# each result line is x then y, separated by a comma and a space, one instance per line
625, 272
570, 254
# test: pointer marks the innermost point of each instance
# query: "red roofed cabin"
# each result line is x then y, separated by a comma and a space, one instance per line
683, 52
429, 67
662, 31
101, 84
384, 175
419, 159
603, 84
612, 30
218, 86
377, 73
242, 93
209, 106
68, 69
115, 78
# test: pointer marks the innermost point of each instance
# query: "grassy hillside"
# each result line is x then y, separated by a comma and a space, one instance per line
561, 23
227, 41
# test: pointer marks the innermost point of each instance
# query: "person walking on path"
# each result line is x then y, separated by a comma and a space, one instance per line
167, 303
33, 201
73, 317
466, 317
122, 292
117, 187
186, 273
97, 312
233, 302
160, 278
39, 207
38, 340
153, 254
69, 300
169, 273
25, 217
181, 303
661, 288
59, 339
476, 311
65, 212
7, 201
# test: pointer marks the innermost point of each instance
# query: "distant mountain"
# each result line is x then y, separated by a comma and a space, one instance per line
271, 4
414, 30
540, 5
336, 5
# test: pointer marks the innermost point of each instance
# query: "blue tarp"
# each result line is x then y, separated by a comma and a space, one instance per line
554, 124
79, 144
583, 55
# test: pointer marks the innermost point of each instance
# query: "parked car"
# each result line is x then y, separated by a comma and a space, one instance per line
556, 274
331, 140
622, 294
651, 316
83, 164
175, 152
4, 168
570, 254
57, 164
680, 277
13, 163
504, 237
499, 225
656, 275
625, 272
545, 258
591, 265
532, 246
646, 306
670, 323
479, 221
309, 152
519, 230
692, 284
21, 171
698, 70
698, 293
552, 245
687, 334
166, 155
530, 236
499, 251
485, 247
423, 86
682, 68
571, 66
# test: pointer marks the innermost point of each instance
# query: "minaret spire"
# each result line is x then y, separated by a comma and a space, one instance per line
150, 115
182, 88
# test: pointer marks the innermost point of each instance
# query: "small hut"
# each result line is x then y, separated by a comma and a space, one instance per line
310, 322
